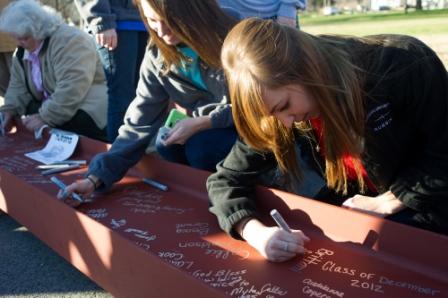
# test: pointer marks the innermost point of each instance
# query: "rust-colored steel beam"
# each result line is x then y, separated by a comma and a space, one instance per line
137, 241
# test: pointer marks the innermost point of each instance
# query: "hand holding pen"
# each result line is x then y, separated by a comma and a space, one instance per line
83, 187
70, 198
277, 244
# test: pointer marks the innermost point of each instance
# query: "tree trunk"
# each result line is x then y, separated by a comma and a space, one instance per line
418, 5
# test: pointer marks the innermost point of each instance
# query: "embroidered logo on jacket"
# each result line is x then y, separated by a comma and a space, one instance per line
379, 117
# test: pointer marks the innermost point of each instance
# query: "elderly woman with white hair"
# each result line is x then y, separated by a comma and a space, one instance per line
57, 78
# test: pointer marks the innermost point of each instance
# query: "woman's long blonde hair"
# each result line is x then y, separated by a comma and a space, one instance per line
261, 54
199, 24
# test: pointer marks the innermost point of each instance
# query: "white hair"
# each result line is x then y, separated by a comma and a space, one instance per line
29, 18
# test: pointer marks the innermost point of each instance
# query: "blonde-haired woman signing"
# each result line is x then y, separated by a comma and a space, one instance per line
181, 64
371, 111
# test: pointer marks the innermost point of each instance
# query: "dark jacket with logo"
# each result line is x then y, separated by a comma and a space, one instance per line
406, 137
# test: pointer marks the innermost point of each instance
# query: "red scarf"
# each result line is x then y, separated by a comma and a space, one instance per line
347, 160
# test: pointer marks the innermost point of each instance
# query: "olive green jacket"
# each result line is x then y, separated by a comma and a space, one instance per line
72, 75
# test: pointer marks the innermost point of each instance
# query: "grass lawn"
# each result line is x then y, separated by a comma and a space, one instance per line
429, 26
310, 19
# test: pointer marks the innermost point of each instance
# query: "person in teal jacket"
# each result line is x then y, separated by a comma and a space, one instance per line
181, 65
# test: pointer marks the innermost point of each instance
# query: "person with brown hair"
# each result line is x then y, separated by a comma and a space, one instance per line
182, 64
369, 113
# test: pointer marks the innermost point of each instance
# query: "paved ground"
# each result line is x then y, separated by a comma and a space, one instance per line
29, 268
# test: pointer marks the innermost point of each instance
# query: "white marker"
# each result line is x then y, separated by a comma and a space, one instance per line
59, 170
155, 184
61, 164
52, 166
62, 186
280, 221
71, 162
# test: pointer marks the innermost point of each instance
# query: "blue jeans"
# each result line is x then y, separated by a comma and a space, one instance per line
202, 150
122, 66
